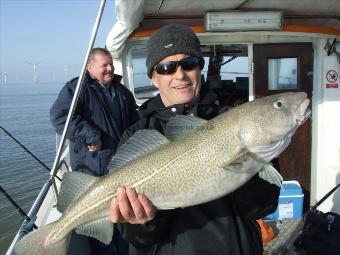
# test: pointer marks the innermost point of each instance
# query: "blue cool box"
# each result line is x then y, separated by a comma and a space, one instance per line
290, 202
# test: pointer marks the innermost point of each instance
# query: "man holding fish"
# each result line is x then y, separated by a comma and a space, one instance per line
224, 226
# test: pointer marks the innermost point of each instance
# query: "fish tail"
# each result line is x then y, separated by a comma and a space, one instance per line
38, 242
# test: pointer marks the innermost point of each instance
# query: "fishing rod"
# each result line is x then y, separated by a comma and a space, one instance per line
28, 151
20, 210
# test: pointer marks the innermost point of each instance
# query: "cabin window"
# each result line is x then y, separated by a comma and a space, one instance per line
143, 87
226, 72
232, 69
282, 73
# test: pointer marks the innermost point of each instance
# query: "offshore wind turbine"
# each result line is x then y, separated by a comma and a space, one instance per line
5, 77
35, 74
65, 73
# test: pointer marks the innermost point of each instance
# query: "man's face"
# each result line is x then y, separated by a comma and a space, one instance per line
101, 68
180, 87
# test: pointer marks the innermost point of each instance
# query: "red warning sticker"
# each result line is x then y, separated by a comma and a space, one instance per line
332, 86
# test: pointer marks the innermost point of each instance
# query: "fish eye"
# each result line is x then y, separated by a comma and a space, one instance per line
278, 104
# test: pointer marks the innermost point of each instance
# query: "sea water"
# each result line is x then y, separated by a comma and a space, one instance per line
24, 113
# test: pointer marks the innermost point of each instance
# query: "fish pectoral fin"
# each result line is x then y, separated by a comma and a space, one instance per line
72, 186
101, 229
251, 163
268, 152
271, 175
181, 125
142, 142
246, 163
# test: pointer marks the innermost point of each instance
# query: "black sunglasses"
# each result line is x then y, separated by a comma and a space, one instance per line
187, 64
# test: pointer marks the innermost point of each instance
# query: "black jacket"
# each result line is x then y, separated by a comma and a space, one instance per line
98, 116
223, 226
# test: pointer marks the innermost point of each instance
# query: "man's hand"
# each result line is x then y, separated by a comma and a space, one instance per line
129, 206
95, 147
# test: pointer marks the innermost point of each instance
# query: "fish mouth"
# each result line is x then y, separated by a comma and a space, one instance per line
303, 112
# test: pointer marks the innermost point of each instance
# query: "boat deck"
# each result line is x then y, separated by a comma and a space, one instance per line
286, 232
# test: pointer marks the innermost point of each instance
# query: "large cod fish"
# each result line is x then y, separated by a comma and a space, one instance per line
195, 162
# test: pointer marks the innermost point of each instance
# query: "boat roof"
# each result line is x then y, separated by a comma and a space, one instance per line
134, 14
199, 7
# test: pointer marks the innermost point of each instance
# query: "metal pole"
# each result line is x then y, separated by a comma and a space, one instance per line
28, 224
78, 89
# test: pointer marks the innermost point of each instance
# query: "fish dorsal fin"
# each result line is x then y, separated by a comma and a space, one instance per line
142, 142
72, 186
181, 125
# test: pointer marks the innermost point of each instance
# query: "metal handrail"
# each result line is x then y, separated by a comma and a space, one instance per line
26, 226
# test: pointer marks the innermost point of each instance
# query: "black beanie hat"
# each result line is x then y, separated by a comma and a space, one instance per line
169, 40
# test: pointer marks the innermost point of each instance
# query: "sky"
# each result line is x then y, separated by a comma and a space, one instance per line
53, 33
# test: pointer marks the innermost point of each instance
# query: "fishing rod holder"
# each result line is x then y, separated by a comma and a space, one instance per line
28, 225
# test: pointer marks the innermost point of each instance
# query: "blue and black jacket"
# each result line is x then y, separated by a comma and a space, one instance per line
100, 114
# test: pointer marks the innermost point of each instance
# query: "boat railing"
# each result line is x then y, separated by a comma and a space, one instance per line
31, 220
